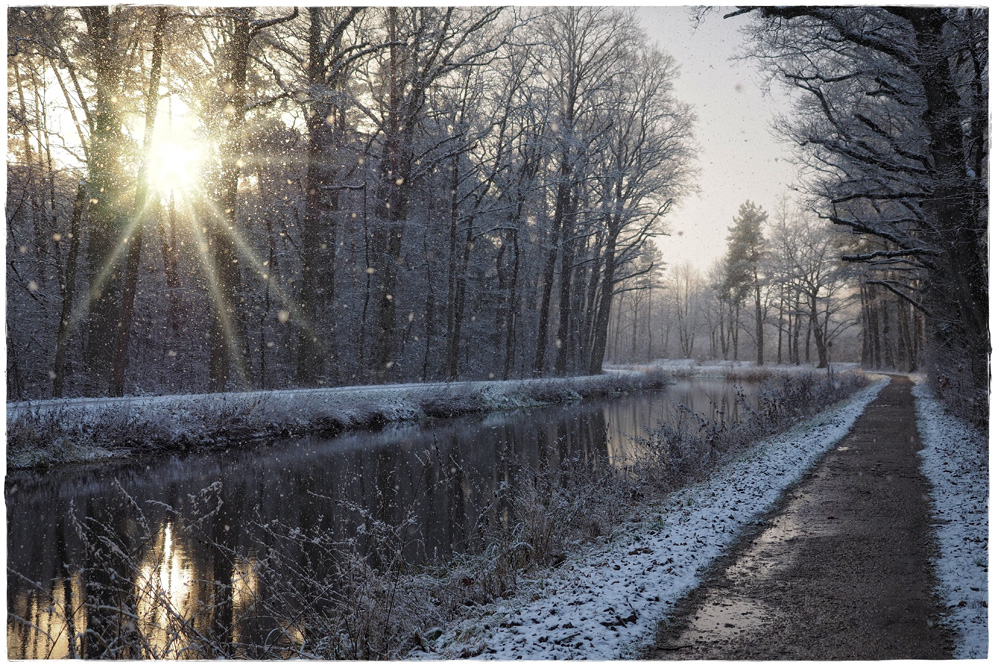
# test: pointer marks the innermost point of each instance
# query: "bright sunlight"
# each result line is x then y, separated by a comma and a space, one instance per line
175, 162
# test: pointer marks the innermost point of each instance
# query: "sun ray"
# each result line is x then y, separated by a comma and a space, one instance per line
104, 273
247, 253
207, 265
173, 174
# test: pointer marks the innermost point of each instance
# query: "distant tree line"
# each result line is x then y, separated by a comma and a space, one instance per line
413, 193
780, 295
380, 194
892, 122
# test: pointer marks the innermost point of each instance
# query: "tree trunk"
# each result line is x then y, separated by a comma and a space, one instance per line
817, 332
134, 257
69, 294
734, 329
457, 282
604, 307
865, 345
905, 334
889, 356
649, 323
310, 359
227, 326
106, 181
429, 316
875, 314
548, 273
960, 233
170, 267
511, 323
798, 327
723, 336
391, 210
563, 341
40, 240
759, 321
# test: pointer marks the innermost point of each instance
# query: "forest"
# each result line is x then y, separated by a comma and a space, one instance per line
363, 332
206, 200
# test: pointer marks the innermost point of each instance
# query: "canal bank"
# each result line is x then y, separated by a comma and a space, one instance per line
605, 602
54, 432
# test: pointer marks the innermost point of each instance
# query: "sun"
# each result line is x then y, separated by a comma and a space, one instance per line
175, 165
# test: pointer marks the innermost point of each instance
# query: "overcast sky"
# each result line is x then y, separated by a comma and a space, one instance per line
739, 159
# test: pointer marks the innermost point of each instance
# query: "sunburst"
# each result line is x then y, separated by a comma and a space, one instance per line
175, 164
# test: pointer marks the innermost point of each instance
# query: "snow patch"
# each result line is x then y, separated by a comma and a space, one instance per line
955, 460
606, 602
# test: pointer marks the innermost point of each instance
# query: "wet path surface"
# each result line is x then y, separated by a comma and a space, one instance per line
840, 571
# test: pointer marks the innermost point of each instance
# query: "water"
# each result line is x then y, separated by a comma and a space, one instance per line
175, 523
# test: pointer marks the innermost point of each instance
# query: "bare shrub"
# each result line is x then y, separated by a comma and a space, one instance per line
686, 449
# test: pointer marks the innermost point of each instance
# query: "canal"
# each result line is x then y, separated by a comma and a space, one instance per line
194, 529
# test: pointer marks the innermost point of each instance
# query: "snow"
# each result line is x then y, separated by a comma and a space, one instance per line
721, 369
955, 460
73, 430
606, 602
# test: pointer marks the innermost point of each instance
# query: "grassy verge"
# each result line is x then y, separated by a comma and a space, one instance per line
52, 433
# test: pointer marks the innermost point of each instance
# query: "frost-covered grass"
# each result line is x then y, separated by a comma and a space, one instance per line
50, 432
955, 460
605, 602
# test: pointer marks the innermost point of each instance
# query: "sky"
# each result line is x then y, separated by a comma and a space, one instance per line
739, 158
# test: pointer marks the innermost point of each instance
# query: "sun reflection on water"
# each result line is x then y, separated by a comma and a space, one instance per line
163, 595
52, 626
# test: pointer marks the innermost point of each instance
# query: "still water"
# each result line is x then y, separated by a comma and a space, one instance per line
188, 526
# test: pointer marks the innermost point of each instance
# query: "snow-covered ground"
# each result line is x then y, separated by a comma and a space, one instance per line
720, 369
606, 602
48, 432
955, 460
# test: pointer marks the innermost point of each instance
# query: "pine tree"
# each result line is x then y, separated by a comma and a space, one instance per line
744, 265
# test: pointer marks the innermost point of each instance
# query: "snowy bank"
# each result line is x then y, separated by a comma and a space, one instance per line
955, 460
44, 433
606, 602
729, 370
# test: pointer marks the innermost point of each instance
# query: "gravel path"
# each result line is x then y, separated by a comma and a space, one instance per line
840, 571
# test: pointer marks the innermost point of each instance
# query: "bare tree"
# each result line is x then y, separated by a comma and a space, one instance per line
685, 287
746, 262
892, 122
806, 259
646, 169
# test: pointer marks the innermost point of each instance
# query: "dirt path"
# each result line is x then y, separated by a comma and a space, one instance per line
839, 571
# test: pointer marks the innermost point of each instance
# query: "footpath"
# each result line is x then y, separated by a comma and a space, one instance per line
840, 571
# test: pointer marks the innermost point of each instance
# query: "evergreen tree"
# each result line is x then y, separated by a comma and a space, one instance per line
745, 266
